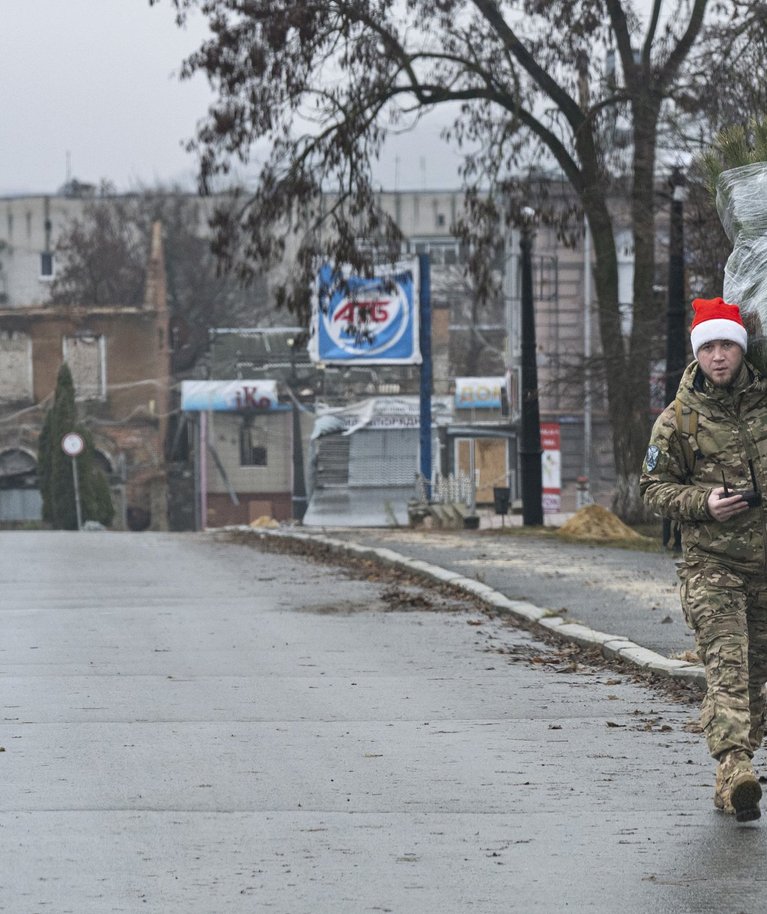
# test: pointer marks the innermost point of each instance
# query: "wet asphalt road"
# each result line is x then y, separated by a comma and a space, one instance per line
201, 727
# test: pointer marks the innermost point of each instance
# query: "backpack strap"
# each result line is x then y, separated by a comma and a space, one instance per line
687, 429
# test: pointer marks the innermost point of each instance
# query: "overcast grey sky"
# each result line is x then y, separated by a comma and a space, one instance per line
93, 79
94, 83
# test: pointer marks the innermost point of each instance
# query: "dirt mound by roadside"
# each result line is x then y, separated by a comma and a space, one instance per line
597, 523
264, 521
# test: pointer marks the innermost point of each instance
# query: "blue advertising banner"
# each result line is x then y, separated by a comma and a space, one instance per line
373, 321
229, 396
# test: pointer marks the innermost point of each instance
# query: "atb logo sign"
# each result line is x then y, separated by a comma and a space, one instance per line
369, 323
367, 320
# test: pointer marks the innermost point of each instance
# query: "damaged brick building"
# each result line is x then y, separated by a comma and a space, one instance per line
120, 361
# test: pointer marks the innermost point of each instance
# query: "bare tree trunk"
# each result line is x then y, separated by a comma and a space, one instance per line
627, 389
627, 360
635, 395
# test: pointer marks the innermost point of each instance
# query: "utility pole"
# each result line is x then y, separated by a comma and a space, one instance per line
530, 449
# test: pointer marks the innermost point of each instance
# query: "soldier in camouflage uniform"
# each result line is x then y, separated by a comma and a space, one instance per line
706, 449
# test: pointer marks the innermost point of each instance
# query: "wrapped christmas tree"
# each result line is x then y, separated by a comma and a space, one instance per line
741, 201
735, 170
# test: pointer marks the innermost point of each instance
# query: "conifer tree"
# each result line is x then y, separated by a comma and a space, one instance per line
55, 467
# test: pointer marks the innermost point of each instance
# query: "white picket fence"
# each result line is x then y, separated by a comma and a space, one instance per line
452, 489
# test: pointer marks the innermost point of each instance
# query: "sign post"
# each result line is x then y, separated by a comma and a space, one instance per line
424, 303
203, 459
72, 444
379, 320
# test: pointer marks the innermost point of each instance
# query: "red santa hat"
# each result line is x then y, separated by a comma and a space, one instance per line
716, 320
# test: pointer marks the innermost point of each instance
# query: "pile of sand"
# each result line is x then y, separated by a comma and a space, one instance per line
264, 521
597, 523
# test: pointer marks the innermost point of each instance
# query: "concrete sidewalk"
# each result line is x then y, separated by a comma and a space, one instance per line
623, 601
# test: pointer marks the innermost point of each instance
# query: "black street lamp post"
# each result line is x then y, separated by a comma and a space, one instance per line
676, 331
530, 444
299, 483
676, 336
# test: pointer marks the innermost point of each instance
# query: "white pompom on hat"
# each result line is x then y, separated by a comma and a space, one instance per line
716, 320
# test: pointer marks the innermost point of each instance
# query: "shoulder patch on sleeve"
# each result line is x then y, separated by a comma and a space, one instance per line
651, 460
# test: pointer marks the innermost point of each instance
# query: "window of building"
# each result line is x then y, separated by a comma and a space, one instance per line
86, 356
442, 251
253, 452
47, 265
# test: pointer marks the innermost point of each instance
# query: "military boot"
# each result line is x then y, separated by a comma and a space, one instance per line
737, 788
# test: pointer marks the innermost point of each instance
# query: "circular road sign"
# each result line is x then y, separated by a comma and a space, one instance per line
72, 444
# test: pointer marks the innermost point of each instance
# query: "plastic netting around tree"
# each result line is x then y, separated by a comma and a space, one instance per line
741, 201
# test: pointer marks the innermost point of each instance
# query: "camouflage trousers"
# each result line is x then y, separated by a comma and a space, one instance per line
727, 610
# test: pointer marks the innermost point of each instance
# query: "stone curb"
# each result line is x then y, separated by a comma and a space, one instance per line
611, 646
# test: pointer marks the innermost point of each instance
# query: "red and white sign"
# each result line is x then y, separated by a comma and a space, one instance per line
72, 444
551, 466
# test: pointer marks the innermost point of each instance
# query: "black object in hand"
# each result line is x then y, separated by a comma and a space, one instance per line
752, 497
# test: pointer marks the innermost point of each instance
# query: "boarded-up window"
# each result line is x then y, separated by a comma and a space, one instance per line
15, 368
86, 357
491, 464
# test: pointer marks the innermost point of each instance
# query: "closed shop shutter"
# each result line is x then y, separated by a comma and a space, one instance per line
332, 461
386, 457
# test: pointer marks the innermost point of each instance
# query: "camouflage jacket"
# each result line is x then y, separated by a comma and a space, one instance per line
731, 430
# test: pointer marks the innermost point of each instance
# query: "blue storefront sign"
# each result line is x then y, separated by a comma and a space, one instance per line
479, 393
229, 396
